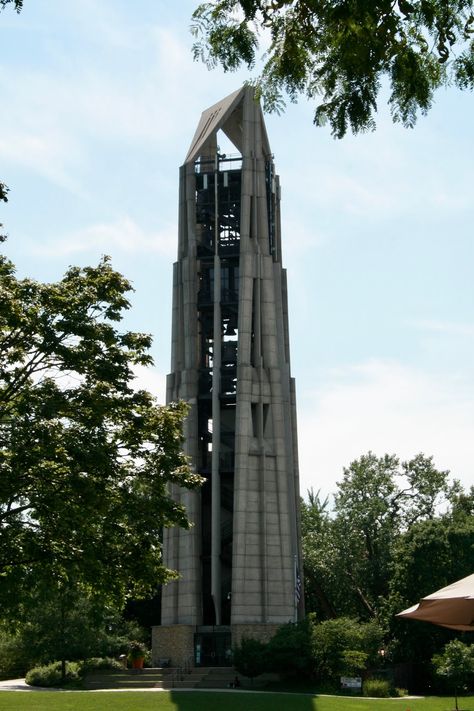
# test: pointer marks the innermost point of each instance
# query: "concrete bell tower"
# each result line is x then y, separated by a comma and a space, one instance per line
240, 563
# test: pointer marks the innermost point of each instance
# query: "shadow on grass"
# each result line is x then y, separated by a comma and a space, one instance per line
241, 701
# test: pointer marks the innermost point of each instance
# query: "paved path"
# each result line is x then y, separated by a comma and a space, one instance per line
16, 685
20, 685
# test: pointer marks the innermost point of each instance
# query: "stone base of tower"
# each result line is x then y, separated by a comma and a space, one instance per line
174, 643
182, 644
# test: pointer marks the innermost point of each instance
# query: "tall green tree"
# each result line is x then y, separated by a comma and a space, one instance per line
377, 499
317, 542
340, 53
348, 553
429, 555
85, 459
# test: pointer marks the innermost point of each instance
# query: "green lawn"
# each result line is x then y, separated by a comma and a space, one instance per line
213, 701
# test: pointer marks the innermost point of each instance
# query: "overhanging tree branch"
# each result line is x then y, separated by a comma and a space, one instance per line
339, 54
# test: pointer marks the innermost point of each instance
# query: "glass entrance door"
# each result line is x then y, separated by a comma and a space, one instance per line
213, 649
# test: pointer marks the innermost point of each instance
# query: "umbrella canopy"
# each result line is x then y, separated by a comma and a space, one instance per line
452, 606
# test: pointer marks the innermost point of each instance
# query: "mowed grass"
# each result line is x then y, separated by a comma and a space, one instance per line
214, 701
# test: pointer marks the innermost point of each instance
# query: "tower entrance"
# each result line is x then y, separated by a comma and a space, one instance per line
213, 647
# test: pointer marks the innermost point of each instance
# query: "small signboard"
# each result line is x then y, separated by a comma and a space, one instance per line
351, 682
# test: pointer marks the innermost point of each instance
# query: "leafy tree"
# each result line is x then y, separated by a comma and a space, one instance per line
342, 645
348, 553
85, 460
456, 663
59, 621
318, 555
461, 503
377, 499
428, 556
340, 53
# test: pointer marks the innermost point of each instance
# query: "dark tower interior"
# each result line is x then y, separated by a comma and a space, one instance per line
218, 195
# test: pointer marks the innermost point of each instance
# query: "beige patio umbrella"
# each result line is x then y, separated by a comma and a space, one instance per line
452, 606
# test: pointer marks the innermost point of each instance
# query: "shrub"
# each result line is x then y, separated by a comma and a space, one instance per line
376, 687
50, 674
289, 650
97, 663
400, 692
250, 657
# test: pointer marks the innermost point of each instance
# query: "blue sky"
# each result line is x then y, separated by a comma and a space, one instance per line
100, 99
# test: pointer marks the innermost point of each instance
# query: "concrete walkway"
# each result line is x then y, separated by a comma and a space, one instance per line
20, 685
17, 685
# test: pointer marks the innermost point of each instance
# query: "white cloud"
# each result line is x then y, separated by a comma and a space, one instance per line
123, 235
384, 406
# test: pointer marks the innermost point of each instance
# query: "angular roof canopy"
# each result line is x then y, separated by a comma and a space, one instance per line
452, 606
225, 115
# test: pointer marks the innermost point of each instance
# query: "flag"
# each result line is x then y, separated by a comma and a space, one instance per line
297, 586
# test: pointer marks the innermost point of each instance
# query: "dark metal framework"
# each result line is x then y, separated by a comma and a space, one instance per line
218, 197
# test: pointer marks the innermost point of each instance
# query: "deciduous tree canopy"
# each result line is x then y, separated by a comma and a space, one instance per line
348, 556
341, 52
398, 531
85, 460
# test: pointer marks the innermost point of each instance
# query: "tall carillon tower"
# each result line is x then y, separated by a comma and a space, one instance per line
239, 564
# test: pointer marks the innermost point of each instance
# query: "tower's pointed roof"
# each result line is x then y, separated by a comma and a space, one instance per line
226, 114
